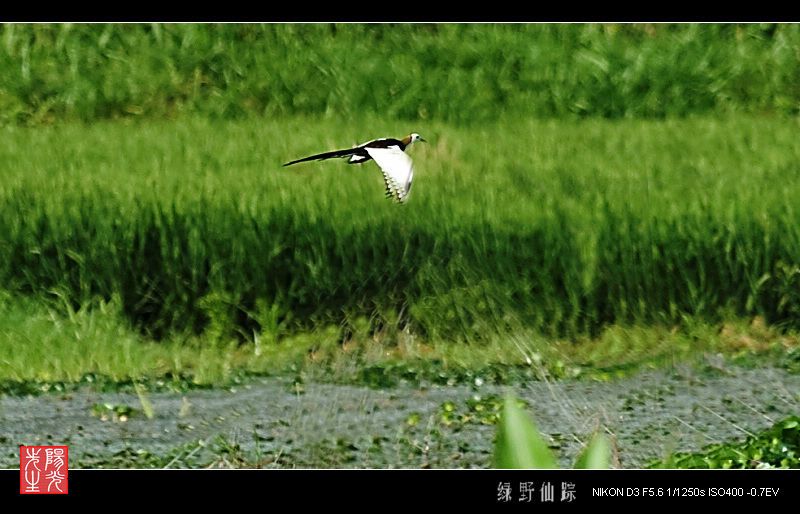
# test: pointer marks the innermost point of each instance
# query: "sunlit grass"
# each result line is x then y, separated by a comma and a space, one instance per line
41, 344
522, 239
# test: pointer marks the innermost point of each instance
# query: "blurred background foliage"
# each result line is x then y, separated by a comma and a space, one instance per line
455, 73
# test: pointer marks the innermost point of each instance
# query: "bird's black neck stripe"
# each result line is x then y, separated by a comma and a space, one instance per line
386, 143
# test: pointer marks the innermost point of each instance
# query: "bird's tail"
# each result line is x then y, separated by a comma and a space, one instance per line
326, 155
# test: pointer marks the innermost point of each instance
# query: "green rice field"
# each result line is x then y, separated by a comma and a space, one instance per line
590, 197
559, 228
554, 223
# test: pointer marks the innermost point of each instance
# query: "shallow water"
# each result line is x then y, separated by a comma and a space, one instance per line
332, 426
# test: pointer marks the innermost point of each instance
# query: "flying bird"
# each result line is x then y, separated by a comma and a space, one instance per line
388, 153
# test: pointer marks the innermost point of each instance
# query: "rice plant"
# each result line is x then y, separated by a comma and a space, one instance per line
558, 227
575, 177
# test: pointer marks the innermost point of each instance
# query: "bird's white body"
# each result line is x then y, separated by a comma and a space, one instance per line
398, 170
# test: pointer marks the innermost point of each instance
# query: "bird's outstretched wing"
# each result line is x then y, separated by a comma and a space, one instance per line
397, 170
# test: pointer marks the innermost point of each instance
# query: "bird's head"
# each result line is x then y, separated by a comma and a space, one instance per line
413, 138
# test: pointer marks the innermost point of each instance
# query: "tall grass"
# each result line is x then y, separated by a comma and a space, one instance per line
514, 221
555, 227
446, 72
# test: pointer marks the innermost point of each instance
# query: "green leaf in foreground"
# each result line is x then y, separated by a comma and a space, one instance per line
518, 444
595, 456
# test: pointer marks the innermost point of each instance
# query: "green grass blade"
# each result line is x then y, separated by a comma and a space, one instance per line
147, 407
518, 444
596, 455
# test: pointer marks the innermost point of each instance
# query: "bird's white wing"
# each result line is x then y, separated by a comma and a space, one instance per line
397, 170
